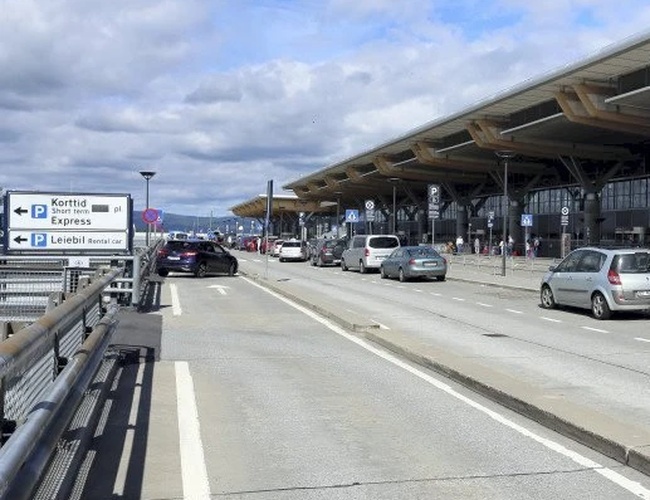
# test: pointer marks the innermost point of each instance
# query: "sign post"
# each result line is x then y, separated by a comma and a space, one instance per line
565, 243
526, 222
370, 214
434, 208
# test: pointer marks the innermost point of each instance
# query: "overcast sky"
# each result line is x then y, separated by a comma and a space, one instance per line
219, 96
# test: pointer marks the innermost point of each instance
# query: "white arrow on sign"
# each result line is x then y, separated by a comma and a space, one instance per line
221, 288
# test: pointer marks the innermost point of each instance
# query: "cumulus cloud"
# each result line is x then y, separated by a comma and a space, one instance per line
218, 97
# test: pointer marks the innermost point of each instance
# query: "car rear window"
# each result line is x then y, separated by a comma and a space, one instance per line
180, 245
291, 244
633, 263
423, 252
383, 242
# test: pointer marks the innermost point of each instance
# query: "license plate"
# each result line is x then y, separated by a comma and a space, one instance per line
644, 294
430, 264
380, 257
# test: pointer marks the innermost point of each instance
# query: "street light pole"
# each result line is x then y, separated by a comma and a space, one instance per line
394, 181
338, 215
147, 174
505, 156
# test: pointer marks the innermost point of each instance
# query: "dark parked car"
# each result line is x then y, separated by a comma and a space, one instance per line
328, 252
199, 257
414, 262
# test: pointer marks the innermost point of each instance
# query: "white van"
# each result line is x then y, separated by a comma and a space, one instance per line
366, 252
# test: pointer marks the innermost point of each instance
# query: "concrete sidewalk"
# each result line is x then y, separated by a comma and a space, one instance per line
619, 440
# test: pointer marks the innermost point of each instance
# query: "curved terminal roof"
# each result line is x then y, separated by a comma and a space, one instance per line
580, 124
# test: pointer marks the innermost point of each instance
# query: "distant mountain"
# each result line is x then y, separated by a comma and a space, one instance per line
176, 222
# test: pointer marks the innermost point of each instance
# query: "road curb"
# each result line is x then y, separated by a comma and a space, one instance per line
334, 312
636, 456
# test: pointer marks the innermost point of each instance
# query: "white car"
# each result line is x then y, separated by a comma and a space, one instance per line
293, 250
366, 252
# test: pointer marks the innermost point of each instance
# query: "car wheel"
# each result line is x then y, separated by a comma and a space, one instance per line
402, 276
441, 278
546, 298
232, 269
281, 259
344, 267
382, 272
362, 268
163, 272
201, 270
599, 307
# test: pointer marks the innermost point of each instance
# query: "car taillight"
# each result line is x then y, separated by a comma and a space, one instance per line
366, 252
162, 252
412, 262
613, 277
191, 253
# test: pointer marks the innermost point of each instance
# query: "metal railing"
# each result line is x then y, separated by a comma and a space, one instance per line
27, 282
45, 368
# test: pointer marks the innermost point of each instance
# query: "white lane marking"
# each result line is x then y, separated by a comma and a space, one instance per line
514, 311
482, 304
435, 294
176, 301
193, 470
125, 459
381, 325
631, 486
552, 320
594, 329
459, 299
640, 339
220, 288
401, 286
417, 290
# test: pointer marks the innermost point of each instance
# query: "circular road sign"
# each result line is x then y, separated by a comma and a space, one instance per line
150, 215
370, 205
565, 211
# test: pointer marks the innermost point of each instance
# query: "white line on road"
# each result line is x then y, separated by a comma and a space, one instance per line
514, 311
435, 294
418, 290
193, 470
640, 339
594, 329
176, 302
552, 320
631, 486
459, 299
482, 304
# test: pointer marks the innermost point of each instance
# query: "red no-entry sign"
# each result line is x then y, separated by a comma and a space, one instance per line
150, 215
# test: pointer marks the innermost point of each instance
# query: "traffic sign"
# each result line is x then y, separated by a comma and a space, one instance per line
67, 240
29, 210
564, 211
351, 215
44, 222
370, 205
150, 215
527, 220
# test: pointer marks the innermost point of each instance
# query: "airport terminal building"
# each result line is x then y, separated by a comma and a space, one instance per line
562, 158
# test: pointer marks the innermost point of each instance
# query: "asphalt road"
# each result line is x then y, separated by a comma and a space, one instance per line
253, 396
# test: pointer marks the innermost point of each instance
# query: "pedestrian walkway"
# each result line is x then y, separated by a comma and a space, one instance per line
520, 272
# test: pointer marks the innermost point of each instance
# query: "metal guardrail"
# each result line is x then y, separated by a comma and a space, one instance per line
27, 283
45, 368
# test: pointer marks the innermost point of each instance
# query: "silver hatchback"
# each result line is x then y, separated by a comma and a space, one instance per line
603, 280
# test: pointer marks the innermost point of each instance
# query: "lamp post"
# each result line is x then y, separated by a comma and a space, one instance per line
505, 156
147, 174
338, 215
394, 181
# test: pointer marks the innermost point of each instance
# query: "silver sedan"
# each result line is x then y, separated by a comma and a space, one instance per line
414, 262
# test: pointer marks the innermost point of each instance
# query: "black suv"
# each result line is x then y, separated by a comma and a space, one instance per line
328, 252
198, 257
